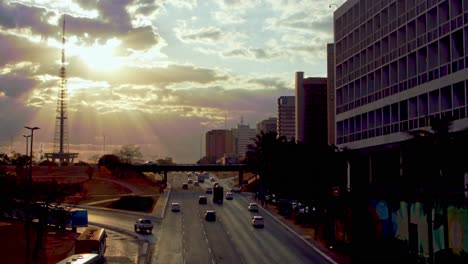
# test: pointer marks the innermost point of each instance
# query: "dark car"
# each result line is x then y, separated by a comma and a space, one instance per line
210, 215
202, 199
185, 186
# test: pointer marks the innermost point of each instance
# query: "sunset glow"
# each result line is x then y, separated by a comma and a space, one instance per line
153, 73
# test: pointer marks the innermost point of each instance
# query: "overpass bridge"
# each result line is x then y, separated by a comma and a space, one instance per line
165, 168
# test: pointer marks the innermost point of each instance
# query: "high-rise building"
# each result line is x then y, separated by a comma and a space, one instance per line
311, 110
331, 93
243, 136
286, 117
219, 142
267, 125
398, 64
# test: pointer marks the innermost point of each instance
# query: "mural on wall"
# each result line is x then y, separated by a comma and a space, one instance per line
415, 232
401, 219
381, 219
458, 229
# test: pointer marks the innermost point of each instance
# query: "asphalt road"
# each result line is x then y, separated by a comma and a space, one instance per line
185, 237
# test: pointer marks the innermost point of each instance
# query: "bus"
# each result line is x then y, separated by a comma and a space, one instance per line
86, 258
92, 240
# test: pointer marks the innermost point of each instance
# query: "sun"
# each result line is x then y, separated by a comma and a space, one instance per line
98, 56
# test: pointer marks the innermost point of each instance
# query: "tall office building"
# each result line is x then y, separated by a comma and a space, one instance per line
311, 110
286, 125
219, 142
267, 125
331, 93
243, 136
398, 63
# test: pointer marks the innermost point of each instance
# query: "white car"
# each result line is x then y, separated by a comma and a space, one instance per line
257, 221
229, 196
175, 207
253, 207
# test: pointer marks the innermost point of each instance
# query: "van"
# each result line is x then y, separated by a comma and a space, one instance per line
92, 240
86, 258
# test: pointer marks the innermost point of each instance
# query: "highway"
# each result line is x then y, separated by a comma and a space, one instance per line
123, 244
185, 237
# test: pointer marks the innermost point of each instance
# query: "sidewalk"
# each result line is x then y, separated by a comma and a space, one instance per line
307, 234
160, 208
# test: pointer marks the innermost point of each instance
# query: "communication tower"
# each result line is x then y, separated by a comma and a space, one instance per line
61, 144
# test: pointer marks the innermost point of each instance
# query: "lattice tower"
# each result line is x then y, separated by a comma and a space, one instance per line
61, 144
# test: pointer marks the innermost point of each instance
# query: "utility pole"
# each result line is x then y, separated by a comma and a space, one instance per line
27, 143
28, 198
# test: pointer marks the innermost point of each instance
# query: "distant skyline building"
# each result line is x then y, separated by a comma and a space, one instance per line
286, 120
243, 136
219, 142
311, 110
331, 93
267, 125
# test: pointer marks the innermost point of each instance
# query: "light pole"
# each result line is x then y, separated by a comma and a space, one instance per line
28, 197
27, 143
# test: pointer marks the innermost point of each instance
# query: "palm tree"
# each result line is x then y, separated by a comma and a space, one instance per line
431, 152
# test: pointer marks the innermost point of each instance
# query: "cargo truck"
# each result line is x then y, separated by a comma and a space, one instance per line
218, 194
201, 177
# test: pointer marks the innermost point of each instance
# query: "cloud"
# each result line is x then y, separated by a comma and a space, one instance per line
16, 84
19, 16
207, 35
114, 21
255, 53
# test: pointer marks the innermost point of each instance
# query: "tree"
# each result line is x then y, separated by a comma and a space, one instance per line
433, 164
129, 153
94, 158
110, 161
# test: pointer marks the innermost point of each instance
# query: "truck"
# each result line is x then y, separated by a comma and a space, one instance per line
218, 194
79, 218
201, 177
143, 225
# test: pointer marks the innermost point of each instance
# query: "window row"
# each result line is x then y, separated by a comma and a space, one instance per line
352, 26
407, 114
429, 56
375, 87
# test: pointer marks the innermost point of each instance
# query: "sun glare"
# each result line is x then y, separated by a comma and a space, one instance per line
97, 56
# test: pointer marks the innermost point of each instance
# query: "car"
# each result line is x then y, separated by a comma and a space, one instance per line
185, 186
210, 215
236, 189
253, 207
175, 207
209, 190
229, 196
202, 199
196, 184
212, 179
257, 221
189, 181
143, 225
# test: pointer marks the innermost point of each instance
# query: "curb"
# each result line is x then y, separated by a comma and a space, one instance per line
165, 197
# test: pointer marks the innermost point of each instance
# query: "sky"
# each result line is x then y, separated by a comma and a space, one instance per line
157, 74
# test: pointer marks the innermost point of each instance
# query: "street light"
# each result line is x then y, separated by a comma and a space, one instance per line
27, 143
28, 197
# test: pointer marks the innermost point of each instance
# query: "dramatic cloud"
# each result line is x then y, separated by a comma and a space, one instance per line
159, 74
